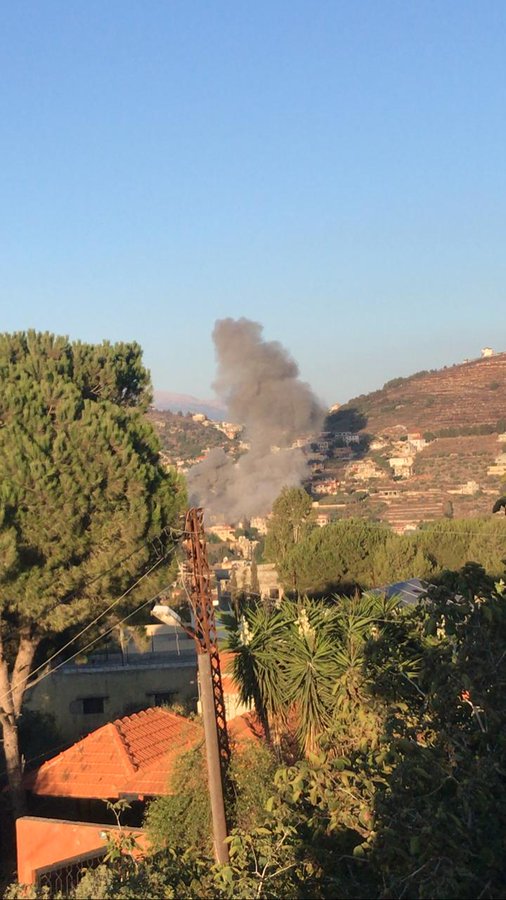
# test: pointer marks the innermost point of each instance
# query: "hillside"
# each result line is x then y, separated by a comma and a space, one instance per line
185, 440
430, 445
462, 397
422, 447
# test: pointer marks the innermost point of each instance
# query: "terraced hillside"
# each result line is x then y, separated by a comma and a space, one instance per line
459, 397
182, 438
454, 461
431, 445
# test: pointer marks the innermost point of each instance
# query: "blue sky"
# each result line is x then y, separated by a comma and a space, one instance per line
334, 170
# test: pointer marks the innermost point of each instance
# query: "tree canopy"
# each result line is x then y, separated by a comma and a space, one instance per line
290, 522
85, 506
354, 552
399, 788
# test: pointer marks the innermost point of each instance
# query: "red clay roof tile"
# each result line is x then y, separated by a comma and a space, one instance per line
136, 754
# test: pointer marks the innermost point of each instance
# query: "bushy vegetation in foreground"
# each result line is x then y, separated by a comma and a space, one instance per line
397, 788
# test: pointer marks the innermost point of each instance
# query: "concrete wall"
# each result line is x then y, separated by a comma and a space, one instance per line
268, 580
125, 690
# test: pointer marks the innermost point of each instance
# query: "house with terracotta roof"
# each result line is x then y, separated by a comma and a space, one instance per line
132, 758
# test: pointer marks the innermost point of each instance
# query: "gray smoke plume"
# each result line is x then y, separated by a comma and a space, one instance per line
258, 381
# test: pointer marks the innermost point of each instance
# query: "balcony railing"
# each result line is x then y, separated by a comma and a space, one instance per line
63, 877
115, 660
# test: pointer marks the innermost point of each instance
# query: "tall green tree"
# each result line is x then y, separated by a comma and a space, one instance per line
399, 558
290, 522
355, 552
85, 506
341, 553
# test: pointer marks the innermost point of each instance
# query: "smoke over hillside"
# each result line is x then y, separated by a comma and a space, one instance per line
258, 382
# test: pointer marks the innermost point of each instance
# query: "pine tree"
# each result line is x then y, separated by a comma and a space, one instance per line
85, 506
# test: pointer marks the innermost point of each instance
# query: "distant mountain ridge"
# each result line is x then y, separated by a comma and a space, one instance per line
187, 403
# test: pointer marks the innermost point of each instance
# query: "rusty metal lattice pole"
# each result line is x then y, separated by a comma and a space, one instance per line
213, 705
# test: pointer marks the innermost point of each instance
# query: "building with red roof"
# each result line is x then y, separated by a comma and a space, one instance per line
132, 757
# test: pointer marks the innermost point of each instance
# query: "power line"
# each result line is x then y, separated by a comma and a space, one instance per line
177, 533
100, 615
428, 526
50, 750
169, 530
90, 625
87, 584
93, 642
489, 540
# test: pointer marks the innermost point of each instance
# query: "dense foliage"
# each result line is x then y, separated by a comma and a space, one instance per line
400, 792
85, 506
353, 553
290, 522
182, 820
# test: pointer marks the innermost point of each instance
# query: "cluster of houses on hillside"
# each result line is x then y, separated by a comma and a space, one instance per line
341, 465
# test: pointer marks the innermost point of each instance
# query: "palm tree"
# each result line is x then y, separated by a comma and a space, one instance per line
308, 662
323, 659
308, 659
254, 640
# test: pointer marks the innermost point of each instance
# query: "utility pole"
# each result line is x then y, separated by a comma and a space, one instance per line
211, 689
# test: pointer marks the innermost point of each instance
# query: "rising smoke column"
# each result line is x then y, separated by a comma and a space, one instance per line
258, 381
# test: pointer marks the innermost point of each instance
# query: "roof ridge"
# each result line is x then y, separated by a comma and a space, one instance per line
128, 740
122, 745
134, 755
121, 725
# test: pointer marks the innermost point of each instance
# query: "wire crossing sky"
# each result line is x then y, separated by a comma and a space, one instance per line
334, 170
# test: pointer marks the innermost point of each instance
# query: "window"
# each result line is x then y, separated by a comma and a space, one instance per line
92, 705
89, 706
